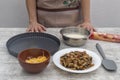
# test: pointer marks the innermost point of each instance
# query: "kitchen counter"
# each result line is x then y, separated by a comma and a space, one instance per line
11, 70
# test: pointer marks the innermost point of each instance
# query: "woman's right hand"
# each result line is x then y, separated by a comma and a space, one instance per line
35, 27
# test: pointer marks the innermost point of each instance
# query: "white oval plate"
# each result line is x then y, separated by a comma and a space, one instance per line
96, 60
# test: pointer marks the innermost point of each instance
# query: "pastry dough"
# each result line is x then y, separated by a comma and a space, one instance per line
105, 37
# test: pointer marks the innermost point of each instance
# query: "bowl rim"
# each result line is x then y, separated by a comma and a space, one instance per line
20, 60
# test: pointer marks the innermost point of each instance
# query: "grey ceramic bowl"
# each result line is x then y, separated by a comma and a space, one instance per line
75, 36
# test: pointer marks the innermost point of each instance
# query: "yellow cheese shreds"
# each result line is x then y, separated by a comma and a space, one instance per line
36, 60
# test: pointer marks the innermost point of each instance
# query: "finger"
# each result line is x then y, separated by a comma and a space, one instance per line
43, 28
85, 27
28, 29
32, 29
36, 29
40, 29
88, 27
94, 29
91, 31
79, 25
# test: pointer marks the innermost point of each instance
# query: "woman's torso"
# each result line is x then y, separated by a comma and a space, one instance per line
58, 13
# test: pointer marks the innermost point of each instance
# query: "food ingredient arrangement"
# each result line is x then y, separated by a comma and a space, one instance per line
76, 60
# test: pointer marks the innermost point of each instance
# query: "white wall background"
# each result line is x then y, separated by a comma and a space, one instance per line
13, 13
104, 13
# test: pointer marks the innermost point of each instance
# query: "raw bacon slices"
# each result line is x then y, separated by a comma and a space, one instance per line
105, 37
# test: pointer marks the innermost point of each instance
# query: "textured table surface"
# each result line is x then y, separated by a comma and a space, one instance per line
11, 70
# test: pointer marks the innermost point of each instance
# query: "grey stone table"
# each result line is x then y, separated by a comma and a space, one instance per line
11, 70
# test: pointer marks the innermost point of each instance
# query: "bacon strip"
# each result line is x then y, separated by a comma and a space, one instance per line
105, 37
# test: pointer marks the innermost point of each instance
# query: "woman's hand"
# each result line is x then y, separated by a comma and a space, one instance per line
88, 26
35, 27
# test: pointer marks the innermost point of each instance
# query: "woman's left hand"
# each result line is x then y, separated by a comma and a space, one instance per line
88, 26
